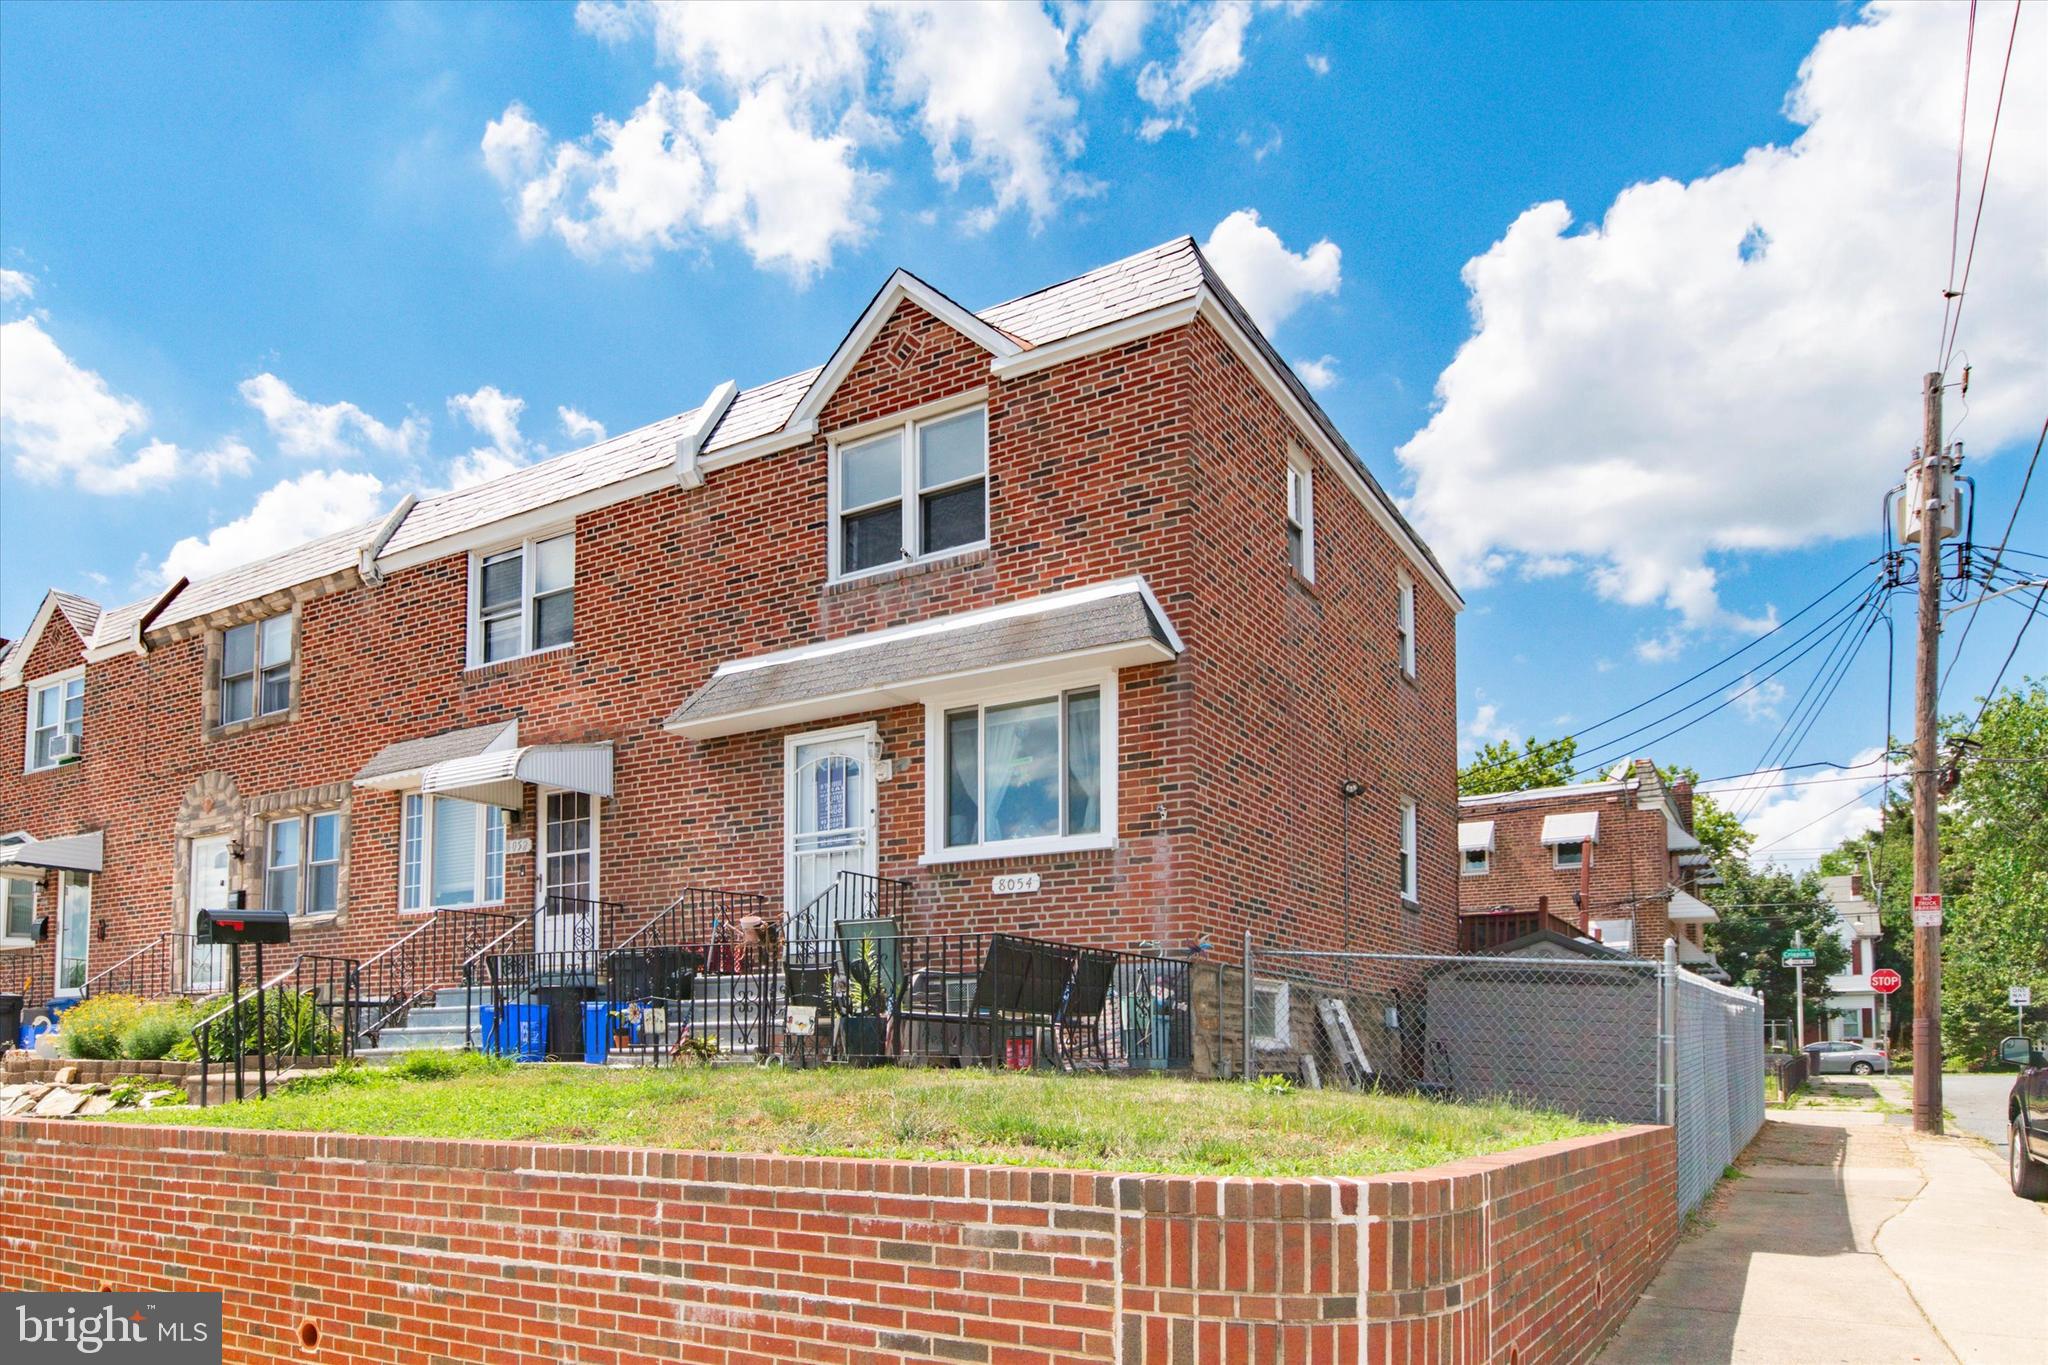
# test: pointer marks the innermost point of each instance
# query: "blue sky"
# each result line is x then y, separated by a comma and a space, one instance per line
319, 252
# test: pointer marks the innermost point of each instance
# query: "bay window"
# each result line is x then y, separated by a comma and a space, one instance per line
55, 708
1023, 776
911, 492
451, 853
522, 599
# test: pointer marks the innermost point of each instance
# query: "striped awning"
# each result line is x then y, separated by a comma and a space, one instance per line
500, 777
1475, 836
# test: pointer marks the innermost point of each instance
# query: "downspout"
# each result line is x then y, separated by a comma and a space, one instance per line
156, 609
366, 559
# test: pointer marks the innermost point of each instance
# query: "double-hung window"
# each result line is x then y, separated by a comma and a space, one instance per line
1407, 624
256, 669
912, 492
55, 708
451, 853
17, 900
1024, 776
1410, 891
1301, 517
523, 599
302, 864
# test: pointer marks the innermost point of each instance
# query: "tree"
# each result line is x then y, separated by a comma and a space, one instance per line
1500, 767
1761, 912
1994, 873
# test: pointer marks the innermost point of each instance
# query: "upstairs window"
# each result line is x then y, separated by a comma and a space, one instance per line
523, 599
1301, 517
1406, 617
912, 492
451, 853
256, 670
55, 709
1478, 862
302, 864
1568, 857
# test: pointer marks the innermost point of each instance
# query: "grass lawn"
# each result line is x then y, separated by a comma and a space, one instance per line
1087, 1122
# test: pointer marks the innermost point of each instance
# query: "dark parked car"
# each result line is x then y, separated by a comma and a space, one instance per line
2027, 1114
1854, 1059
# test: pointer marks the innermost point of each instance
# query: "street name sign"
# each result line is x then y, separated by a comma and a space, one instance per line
1798, 957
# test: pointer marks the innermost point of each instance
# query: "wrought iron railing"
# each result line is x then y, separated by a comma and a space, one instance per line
851, 895
169, 964
427, 959
306, 1012
708, 920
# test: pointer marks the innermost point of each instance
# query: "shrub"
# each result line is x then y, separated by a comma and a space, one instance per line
427, 1065
157, 1031
93, 1028
292, 1025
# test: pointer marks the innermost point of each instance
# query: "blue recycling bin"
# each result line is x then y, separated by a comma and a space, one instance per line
598, 1029
520, 1033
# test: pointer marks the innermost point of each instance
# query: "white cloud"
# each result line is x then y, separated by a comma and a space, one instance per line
1791, 821
314, 504
1706, 369
1486, 727
59, 419
495, 414
1318, 63
1661, 649
16, 286
318, 431
1208, 51
1757, 700
1268, 279
1112, 33
1260, 148
1318, 374
579, 426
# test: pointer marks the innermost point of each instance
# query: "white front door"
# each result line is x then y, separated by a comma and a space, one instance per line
566, 884
830, 818
74, 932
208, 971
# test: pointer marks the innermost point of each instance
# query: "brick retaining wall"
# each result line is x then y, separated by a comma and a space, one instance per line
401, 1249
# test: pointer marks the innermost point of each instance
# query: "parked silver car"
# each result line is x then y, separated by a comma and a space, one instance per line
1853, 1059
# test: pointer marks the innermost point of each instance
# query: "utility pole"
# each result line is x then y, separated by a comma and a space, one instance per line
1927, 490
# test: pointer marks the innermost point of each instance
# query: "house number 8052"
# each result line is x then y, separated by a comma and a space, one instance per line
1015, 884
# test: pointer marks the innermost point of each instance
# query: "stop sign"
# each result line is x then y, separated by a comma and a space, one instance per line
1884, 981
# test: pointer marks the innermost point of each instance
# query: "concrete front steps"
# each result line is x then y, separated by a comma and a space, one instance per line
437, 1026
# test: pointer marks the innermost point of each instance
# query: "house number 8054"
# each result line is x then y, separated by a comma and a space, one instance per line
1015, 884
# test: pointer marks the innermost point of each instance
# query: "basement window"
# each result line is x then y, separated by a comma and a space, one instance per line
1271, 1022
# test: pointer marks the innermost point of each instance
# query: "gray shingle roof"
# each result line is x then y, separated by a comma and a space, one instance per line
858, 667
409, 754
1171, 272
82, 613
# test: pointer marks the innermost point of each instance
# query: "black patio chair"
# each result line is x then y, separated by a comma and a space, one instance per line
1077, 1027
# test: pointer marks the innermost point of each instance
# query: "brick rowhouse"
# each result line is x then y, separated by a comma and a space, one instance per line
375, 1248
1139, 432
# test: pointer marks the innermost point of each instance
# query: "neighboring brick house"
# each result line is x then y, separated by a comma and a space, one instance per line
1082, 594
1614, 860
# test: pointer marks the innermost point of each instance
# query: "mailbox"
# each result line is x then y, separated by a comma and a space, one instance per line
244, 926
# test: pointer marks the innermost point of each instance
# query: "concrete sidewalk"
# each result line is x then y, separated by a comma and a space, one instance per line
1852, 1240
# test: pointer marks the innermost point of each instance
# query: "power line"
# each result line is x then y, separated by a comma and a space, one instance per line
1991, 692
1991, 146
1998, 555
1955, 216
1826, 685
1854, 800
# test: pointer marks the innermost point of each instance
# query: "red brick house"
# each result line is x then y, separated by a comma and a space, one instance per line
1076, 614
1614, 860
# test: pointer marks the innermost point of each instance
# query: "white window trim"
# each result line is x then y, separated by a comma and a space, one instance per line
304, 866
1411, 848
28, 739
908, 493
1282, 1013
427, 822
1298, 466
1405, 611
1467, 868
20, 836
1557, 861
474, 651
937, 851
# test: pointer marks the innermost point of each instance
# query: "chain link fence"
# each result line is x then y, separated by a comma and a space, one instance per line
1597, 1035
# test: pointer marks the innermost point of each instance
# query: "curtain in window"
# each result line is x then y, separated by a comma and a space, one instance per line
1084, 763
1021, 770
456, 843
